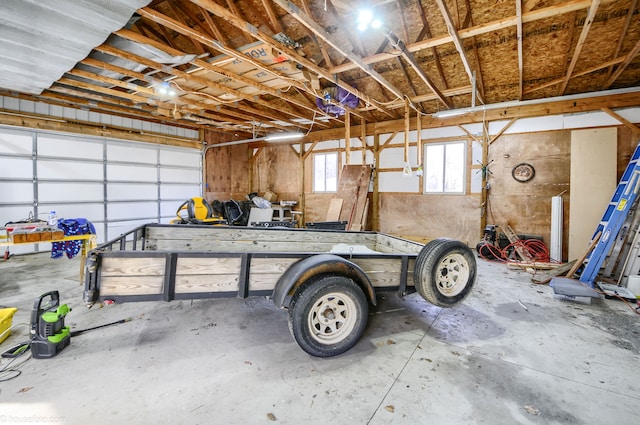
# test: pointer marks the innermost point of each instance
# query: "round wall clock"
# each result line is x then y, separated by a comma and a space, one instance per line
523, 172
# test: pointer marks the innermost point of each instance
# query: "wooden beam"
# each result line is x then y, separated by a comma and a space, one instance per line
177, 26
255, 32
426, 31
469, 134
215, 30
593, 9
323, 50
532, 16
556, 107
627, 60
43, 122
623, 33
302, 18
207, 83
576, 74
156, 16
519, 34
407, 127
273, 18
347, 138
479, 79
457, 41
530, 4
408, 56
634, 128
501, 132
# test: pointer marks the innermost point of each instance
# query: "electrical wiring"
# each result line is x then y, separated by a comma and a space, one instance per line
7, 372
534, 248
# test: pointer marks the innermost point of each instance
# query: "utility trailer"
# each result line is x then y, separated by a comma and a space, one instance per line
325, 279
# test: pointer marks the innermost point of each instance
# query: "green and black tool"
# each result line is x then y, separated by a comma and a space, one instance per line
49, 335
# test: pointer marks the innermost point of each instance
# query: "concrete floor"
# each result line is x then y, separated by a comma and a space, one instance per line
233, 361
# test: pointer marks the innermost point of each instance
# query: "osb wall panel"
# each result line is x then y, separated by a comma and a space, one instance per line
526, 207
277, 168
227, 173
431, 217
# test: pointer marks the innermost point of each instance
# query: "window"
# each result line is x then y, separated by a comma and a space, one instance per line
444, 167
325, 172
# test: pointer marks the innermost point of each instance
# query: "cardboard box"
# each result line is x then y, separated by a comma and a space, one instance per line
270, 196
18, 237
6, 316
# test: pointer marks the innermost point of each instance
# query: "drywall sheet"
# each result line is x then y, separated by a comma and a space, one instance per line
592, 184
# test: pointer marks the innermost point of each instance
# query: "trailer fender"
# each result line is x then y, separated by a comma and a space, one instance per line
319, 265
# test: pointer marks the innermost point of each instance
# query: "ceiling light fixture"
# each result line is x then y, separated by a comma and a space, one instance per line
366, 19
283, 136
165, 89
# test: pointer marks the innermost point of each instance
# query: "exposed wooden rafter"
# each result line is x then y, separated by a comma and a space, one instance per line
519, 34
627, 60
532, 16
255, 32
623, 33
301, 17
457, 41
593, 9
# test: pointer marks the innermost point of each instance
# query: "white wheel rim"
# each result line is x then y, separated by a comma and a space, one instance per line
332, 318
452, 275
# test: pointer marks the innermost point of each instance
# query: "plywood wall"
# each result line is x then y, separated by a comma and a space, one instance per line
418, 216
277, 168
227, 173
526, 207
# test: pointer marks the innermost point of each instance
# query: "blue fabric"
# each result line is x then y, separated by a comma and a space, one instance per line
71, 227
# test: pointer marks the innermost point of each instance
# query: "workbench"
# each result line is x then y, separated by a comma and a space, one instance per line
88, 243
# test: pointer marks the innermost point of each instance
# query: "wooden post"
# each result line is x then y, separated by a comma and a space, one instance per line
484, 210
419, 149
302, 181
407, 126
375, 211
363, 136
347, 138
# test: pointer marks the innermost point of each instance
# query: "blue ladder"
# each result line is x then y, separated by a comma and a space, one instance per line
613, 218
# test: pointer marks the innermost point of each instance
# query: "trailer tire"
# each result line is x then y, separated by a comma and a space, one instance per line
445, 272
327, 316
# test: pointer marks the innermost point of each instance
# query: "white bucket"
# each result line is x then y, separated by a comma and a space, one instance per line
633, 285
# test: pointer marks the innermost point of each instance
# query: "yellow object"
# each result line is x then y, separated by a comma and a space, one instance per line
198, 211
6, 315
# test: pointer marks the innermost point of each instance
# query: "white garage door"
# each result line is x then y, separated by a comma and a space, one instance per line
115, 184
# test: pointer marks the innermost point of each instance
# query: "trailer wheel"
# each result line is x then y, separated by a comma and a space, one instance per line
327, 316
445, 272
